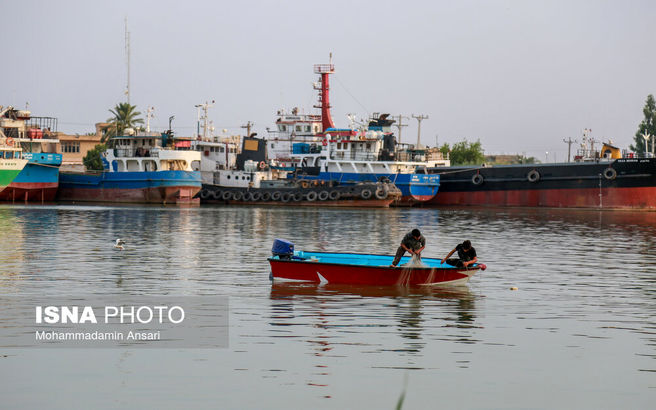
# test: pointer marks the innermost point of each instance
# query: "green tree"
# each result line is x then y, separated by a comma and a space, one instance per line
647, 126
445, 149
467, 153
124, 116
92, 160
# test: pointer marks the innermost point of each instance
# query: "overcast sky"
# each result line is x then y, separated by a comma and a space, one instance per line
518, 75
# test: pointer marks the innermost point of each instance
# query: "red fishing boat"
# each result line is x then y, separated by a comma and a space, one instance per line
362, 269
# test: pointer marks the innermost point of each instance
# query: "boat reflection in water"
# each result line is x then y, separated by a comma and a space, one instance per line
343, 317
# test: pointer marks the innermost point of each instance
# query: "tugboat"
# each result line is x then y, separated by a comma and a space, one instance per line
252, 181
140, 168
35, 140
315, 150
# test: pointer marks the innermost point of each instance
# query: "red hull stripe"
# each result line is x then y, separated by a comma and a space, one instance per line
617, 198
169, 195
37, 191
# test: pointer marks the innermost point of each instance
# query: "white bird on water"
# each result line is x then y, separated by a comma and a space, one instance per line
119, 244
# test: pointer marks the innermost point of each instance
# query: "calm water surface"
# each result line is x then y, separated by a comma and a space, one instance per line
580, 331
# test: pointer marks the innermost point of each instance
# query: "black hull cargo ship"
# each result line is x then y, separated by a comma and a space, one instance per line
621, 183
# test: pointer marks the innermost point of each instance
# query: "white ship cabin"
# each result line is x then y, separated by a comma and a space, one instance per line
217, 153
291, 129
361, 153
250, 177
151, 152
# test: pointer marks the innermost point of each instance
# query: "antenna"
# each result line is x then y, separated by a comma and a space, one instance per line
419, 118
127, 55
248, 127
205, 118
149, 115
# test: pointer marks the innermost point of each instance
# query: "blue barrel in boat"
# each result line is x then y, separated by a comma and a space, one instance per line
282, 248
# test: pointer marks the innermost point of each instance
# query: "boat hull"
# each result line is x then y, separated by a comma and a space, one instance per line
312, 269
163, 187
622, 184
35, 182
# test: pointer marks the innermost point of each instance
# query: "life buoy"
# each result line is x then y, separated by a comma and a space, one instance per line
610, 173
305, 184
533, 176
9, 141
477, 179
262, 164
324, 142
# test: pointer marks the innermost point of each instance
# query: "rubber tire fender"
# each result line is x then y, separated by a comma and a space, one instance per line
366, 193
324, 195
533, 176
311, 196
477, 179
237, 196
381, 192
334, 195
610, 173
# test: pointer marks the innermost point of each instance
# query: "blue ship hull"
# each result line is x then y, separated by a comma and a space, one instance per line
37, 181
166, 187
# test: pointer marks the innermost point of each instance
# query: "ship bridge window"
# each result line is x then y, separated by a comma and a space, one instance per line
308, 128
282, 127
299, 128
368, 145
339, 145
221, 149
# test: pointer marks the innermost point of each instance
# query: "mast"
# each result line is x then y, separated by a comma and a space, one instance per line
324, 94
127, 55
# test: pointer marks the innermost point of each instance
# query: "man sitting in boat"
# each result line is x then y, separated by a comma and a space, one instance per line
413, 242
466, 255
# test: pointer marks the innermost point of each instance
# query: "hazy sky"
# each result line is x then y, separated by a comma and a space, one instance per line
518, 75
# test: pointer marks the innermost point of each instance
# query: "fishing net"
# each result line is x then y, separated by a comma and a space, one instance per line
415, 262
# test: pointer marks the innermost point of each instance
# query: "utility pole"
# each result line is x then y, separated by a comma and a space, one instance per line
419, 118
569, 143
400, 124
248, 127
